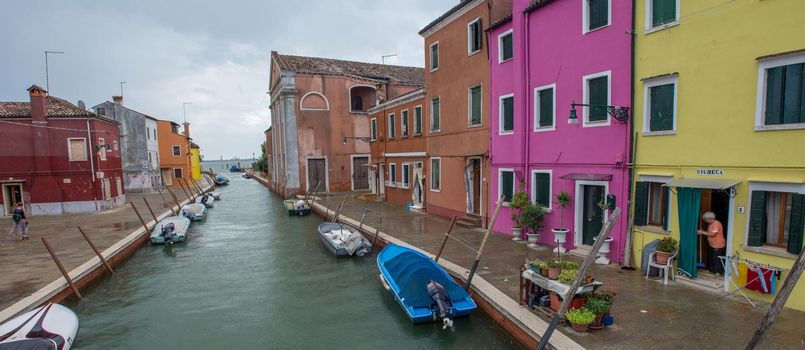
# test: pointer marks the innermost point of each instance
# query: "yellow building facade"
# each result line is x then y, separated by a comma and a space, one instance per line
195, 162
719, 119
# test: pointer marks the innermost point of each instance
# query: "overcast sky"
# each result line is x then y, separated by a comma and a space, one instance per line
212, 53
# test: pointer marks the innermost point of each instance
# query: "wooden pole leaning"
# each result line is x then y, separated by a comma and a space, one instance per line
150, 210
588, 261
360, 225
61, 268
338, 211
483, 244
446, 237
175, 200
377, 231
147, 230
197, 185
164, 201
185, 192
95, 249
190, 189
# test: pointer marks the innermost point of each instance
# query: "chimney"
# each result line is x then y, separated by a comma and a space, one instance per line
186, 129
118, 100
39, 103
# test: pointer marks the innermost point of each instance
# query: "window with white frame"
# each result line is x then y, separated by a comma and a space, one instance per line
435, 117
177, 173
392, 174
406, 176
781, 93
505, 46
77, 149
597, 94
541, 188
506, 113
434, 56
661, 14
474, 106
544, 107
115, 145
474, 36
659, 105
776, 216
102, 149
436, 174
418, 120
404, 123
392, 126
506, 184
652, 202
596, 14
177, 150
373, 129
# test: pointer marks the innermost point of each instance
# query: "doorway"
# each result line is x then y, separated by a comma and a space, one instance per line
472, 182
382, 179
12, 194
317, 173
167, 179
718, 202
589, 216
360, 173
417, 185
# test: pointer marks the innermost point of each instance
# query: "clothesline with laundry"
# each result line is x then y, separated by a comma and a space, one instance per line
751, 275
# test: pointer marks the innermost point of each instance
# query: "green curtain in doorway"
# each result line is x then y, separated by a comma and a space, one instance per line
689, 201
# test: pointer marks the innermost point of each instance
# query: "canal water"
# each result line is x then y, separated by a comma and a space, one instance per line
251, 277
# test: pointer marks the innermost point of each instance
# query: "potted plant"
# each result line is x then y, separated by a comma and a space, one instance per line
554, 268
665, 249
567, 276
531, 217
560, 233
535, 265
580, 319
518, 202
599, 307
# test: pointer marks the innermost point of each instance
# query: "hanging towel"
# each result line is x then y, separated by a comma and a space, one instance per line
741, 278
758, 279
771, 279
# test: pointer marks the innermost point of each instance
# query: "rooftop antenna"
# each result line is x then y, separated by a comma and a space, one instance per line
184, 109
383, 58
121, 88
47, 73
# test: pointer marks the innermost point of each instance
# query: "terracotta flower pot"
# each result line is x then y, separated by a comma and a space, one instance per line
553, 272
544, 272
662, 257
598, 323
581, 327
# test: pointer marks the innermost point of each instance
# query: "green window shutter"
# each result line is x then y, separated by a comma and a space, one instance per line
662, 12
641, 203
793, 93
374, 129
434, 56
774, 95
436, 122
508, 113
667, 213
542, 186
475, 95
757, 219
661, 117
796, 225
597, 92
507, 185
598, 13
546, 107
508, 47
418, 120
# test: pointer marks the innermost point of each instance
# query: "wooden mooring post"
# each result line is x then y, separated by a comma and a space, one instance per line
95, 249
147, 230
150, 210
175, 200
190, 189
446, 237
197, 185
185, 192
61, 268
483, 244
338, 211
377, 231
164, 201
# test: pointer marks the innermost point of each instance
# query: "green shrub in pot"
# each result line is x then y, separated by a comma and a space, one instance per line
567, 276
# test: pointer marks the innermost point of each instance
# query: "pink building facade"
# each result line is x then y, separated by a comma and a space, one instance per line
547, 56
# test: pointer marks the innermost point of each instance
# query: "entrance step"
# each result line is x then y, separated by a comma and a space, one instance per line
705, 281
469, 222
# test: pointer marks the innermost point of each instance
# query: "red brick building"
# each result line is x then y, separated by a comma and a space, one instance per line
58, 158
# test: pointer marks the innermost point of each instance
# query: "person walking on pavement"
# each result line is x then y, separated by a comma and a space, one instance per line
20, 227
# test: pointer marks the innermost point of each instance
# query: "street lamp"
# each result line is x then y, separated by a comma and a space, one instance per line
620, 113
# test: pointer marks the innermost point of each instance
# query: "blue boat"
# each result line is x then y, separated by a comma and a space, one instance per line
424, 290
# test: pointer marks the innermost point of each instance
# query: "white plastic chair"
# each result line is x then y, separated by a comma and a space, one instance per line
652, 262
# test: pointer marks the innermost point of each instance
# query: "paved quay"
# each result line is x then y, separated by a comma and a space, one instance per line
647, 313
26, 265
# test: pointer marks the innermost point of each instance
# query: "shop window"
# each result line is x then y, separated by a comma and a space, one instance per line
777, 219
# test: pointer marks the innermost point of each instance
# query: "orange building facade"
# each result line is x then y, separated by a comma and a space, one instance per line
174, 152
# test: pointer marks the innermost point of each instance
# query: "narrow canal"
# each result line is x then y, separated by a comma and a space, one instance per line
250, 277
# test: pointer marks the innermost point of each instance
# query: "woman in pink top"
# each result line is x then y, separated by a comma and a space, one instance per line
715, 238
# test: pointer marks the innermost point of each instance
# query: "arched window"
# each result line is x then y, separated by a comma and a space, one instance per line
314, 101
357, 103
362, 97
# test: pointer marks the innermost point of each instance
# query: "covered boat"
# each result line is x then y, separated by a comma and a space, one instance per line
423, 288
221, 180
49, 327
247, 176
194, 211
172, 229
344, 240
216, 194
297, 207
206, 199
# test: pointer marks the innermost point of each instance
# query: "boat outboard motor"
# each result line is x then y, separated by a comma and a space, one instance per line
204, 199
167, 233
188, 214
439, 295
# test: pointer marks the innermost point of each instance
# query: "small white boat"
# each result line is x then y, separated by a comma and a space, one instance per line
195, 211
172, 229
49, 327
216, 194
344, 240
206, 199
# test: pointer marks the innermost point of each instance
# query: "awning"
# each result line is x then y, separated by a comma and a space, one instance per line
719, 184
587, 177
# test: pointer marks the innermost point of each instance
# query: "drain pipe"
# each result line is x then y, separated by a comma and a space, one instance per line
92, 166
627, 254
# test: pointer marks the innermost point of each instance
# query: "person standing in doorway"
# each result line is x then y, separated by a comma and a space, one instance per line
19, 229
715, 238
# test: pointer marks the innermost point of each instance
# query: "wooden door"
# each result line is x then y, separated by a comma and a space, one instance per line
317, 174
360, 173
476, 186
12, 196
592, 214
704, 206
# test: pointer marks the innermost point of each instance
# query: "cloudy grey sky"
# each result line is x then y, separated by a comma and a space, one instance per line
212, 53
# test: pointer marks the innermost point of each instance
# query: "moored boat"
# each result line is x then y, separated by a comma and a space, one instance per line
216, 194
297, 207
194, 211
51, 326
344, 240
221, 180
206, 199
423, 288
172, 229
247, 176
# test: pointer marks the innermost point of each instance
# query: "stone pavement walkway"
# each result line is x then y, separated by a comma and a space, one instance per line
26, 265
647, 313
